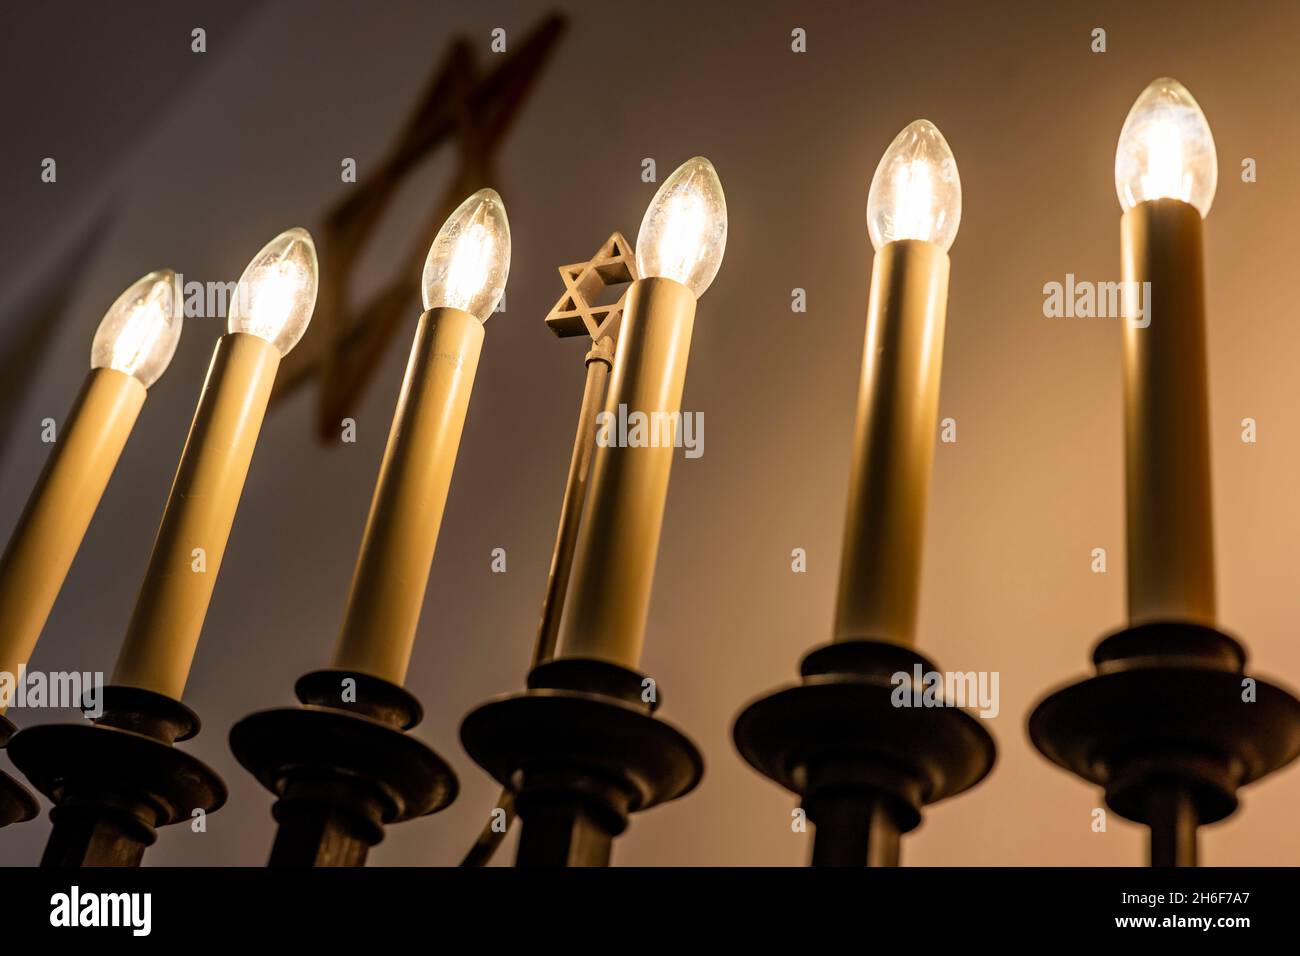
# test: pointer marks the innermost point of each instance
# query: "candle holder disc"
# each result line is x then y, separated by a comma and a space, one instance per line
115, 782
863, 766
342, 767
1170, 727
581, 751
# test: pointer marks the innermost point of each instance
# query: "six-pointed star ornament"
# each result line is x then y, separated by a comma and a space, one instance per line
613, 264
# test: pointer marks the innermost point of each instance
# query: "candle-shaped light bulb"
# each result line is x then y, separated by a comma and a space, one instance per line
469, 260
684, 233
271, 307
277, 292
1166, 149
916, 192
139, 332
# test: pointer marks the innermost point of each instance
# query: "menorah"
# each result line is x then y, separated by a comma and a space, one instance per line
1170, 726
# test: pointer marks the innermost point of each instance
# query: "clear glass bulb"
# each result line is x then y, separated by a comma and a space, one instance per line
277, 292
469, 260
916, 192
139, 332
684, 232
1166, 149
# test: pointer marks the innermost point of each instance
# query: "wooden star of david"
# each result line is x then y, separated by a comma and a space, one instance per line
613, 263
344, 345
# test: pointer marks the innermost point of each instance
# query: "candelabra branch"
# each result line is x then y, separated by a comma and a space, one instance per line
1171, 727
493, 832
114, 783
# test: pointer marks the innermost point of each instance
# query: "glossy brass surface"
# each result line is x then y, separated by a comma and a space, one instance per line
1166, 417
893, 448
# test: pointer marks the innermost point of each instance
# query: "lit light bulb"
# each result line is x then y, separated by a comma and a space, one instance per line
277, 292
1166, 149
916, 192
684, 232
139, 332
469, 260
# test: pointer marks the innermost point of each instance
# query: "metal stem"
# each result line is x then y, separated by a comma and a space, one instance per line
563, 834
853, 830
1174, 820
319, 836
599, 361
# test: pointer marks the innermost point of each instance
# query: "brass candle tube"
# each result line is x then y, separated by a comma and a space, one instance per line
48, 534
164, 630
401, 533
618, 545
1166, 416
893, 450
